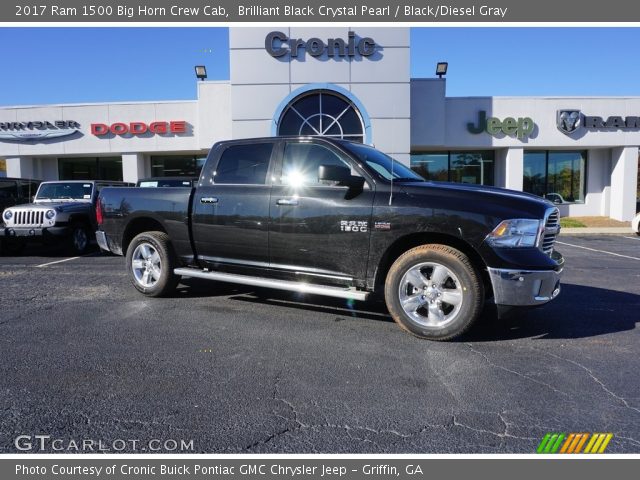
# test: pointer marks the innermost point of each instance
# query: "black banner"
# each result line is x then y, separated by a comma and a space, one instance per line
410, 11
329, 469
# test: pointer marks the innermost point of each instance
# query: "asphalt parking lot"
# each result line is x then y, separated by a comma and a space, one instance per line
234, 369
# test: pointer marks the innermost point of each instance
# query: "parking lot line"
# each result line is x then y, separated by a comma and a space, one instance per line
57, 261
599, 251
633, 238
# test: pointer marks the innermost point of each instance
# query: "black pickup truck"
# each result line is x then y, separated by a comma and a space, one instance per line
341, 219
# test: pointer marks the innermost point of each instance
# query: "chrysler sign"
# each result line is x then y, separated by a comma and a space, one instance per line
37, 129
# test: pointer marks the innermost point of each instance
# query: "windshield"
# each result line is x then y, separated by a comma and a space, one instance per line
65, 191
383, 164
165, 183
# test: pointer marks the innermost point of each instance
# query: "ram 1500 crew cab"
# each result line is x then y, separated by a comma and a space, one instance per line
341, 219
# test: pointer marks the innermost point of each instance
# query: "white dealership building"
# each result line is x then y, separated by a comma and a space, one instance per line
581, 152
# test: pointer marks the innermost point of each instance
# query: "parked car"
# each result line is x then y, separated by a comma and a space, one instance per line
340, 219
555, 198
62, 211
635, 224
14, 191
155, 182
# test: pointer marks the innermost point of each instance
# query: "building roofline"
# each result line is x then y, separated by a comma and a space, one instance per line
94, 104
545, 97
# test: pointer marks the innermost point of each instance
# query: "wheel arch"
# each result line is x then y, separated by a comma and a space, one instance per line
79, 218
138, 225
407, 242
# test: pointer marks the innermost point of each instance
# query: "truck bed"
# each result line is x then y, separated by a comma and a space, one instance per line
168, 206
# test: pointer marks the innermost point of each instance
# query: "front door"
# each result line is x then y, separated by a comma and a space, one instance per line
318, 227
231, 212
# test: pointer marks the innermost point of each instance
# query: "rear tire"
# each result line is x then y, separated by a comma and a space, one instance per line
434, 292
150, 264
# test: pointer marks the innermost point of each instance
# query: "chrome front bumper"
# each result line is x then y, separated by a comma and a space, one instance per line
524, 287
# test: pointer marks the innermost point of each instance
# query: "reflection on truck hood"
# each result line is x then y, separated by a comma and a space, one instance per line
516, 200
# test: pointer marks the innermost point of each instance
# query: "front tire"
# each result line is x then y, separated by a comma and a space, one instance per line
79, 240
150, 264
434, 292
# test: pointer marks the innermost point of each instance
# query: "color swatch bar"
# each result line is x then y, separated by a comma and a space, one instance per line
574, 443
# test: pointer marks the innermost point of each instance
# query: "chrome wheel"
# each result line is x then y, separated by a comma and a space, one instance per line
80, 239
431, 294
146, 265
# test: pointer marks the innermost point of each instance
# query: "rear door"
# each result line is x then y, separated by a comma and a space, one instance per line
230, 215
318, 227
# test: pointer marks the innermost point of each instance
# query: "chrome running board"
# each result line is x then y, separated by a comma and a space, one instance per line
300, 287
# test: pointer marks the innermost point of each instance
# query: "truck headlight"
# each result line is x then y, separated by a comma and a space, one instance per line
518, 232
50, 214
8, 214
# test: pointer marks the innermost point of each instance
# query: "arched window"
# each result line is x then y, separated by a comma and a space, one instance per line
322, 113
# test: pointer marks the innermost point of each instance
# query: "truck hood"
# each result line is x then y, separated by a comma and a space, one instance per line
57, 206
499, 201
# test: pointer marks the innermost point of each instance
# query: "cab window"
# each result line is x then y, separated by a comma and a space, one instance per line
301, 162
7, 189
244, 164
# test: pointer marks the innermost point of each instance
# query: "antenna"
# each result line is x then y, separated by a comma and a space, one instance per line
393, 131
391, 188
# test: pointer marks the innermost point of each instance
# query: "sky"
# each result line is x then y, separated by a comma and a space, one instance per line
78, 65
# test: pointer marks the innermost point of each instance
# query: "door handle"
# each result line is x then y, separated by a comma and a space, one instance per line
287, 201
208, 200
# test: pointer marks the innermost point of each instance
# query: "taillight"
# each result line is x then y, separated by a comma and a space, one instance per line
99, 212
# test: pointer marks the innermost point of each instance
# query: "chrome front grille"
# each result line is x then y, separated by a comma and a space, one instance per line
551, 230
28, 218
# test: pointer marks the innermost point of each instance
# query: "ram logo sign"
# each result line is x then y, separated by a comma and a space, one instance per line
568, 121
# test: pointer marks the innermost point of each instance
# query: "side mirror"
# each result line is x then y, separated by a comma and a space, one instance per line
340, 174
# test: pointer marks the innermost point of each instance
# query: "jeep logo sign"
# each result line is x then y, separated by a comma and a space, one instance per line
278, 44
520, 128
